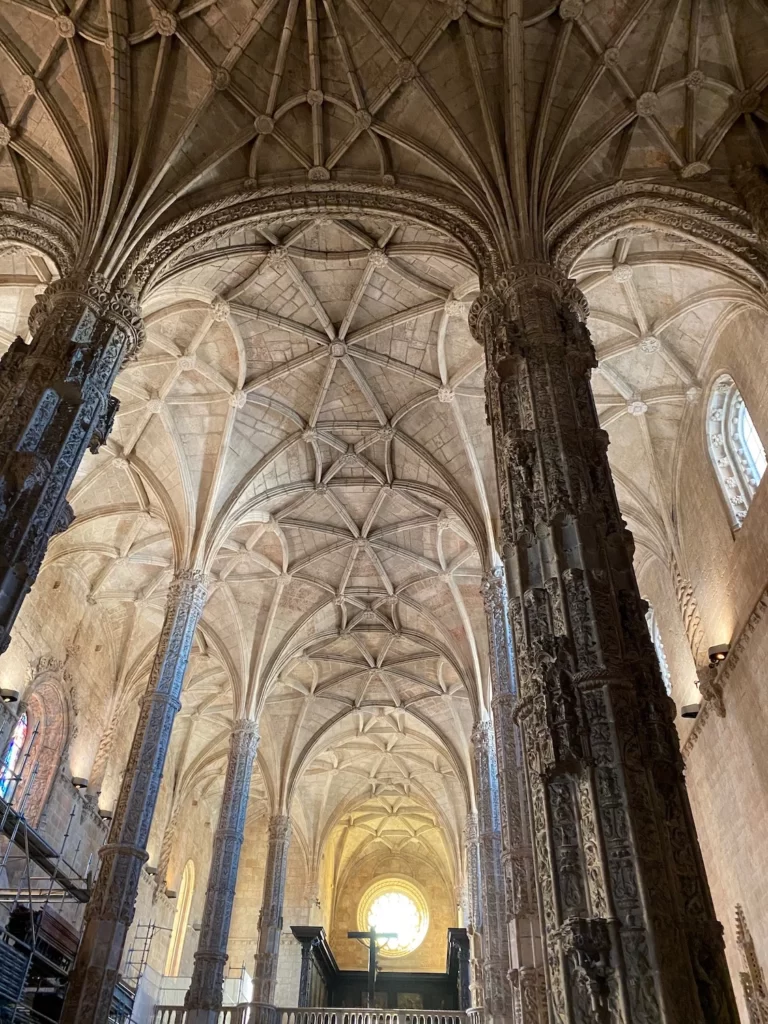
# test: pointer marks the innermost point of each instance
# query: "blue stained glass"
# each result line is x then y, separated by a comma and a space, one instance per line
12, 755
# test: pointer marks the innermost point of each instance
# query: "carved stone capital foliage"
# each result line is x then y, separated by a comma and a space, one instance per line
610, 824
115, 305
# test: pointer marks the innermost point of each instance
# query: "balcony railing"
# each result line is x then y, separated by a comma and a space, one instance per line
248, 1014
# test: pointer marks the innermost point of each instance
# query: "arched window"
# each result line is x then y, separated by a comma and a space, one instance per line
735, 447
12, 757
658, 646
181, 920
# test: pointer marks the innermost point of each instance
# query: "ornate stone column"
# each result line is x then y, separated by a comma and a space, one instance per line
110, 908
526, 959
54, 404
495, 956
630, 930
271, 915
474, 906
203, 1001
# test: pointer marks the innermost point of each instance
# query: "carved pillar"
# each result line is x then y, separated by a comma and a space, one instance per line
54, 404
271, 916
751, 183
526, 961
203, 1001
103, 754
630, 930
474, 905
495, 960
110, 908
752, 978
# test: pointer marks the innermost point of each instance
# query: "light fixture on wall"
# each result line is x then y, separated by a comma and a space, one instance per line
8, 696
150, 869
690, 710
79, 782
718, 653
171, 894
104, 814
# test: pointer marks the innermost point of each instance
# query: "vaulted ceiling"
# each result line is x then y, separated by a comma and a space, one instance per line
306, 419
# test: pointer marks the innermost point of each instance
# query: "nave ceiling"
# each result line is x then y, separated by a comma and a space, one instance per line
306, 418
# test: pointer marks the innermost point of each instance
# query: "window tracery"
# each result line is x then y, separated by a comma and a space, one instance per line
395, 905
735, 447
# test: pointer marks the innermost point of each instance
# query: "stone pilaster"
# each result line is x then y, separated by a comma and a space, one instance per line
203, 1001
110, 908
271, 916
629, 926
495, 954
54, 404
526, 960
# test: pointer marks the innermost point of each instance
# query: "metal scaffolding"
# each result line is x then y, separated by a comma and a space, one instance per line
37, 883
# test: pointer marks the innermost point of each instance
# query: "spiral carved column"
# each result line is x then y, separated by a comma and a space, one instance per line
55, 404
110, 909
630, 931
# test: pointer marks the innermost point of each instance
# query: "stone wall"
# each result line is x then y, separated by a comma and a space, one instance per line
430, 955
726, 759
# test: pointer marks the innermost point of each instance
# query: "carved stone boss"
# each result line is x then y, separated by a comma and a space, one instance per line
271, 916
203, 1001
629, 926
111, 906
495, 961
526, 962
54, 404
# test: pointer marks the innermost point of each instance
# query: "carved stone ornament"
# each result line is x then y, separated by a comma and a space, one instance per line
570, 10
220, 79
628, 926
220, 309
5, 135
751, 182
751, 976
206, 989
166, 22
110, 909
648, 104
65, 26
270, 917
264, 124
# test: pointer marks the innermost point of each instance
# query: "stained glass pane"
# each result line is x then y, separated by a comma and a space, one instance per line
12, 755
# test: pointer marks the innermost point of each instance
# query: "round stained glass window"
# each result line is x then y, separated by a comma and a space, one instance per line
394, 906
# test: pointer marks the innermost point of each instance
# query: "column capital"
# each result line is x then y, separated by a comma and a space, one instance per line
115, 305
279, 828
482, 735
189, 584
471, 832
493, 588
501, 299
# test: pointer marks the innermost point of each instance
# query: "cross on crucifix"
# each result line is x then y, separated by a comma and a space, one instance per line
372, 937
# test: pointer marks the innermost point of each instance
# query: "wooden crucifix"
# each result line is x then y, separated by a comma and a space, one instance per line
373, 936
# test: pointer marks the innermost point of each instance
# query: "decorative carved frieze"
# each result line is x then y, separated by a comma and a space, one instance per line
628, 921
55, 403
751, 976
110, 909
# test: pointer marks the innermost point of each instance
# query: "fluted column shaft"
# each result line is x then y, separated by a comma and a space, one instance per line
54, 404
495, 959
204, 998
110, 908
271, 916
631, 935
526, 962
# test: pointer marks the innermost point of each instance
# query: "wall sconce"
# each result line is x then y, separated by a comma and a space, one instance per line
171, 894
718, 653
150, 869
79, 782
690, 710
104, 814
8, 696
